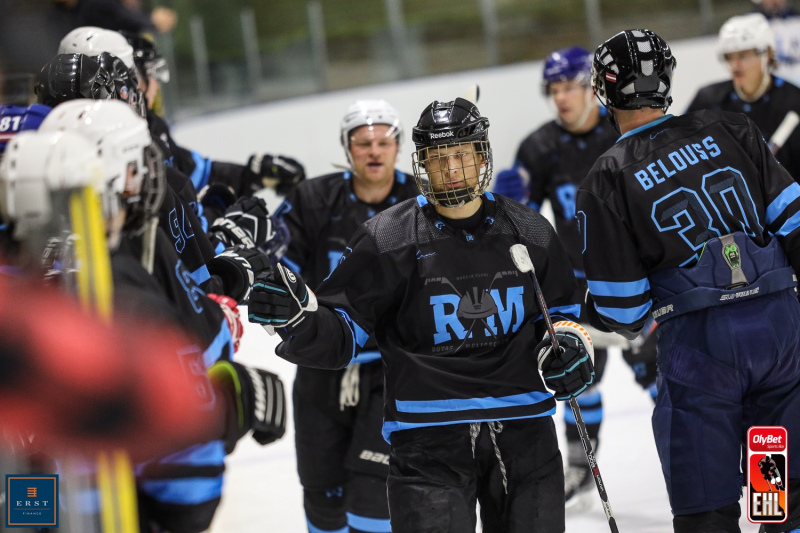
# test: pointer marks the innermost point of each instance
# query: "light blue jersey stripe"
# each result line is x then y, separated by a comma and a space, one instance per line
201, 172
619, 289
206, 454
314, 529
371, 525
201, 275
627, 315
190, 491
790, 225
215, 349
465, 404
390, 427
779, 204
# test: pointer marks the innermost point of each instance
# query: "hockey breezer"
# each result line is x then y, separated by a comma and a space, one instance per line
522, 260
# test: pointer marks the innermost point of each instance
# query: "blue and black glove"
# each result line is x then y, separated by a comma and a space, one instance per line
511, 183
246, 222
276, 171
571, 371
280, 299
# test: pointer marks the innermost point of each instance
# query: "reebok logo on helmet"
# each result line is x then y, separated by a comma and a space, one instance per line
441, 135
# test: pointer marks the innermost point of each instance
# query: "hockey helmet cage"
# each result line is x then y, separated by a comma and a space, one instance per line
146, 57
36, 164
633, 69
133, 165
745, 32
567, 64
126, 83
92, 41
15, 119
446, 124
71, 76
368, 113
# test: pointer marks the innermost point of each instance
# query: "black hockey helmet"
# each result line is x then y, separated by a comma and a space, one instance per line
633, 69
441, 126
146, 57
453, 122
72, 76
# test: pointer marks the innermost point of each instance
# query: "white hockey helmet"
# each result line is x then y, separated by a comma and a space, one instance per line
92, 41
368, 113
133, 166
36, 163
745, 32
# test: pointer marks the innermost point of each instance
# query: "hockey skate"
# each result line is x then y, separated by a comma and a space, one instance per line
578, 484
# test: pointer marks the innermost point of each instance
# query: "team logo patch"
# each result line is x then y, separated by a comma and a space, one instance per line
31, 500
611, 77
767, 491
732, 256
123, 93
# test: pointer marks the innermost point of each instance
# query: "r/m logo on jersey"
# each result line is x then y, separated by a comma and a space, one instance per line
478, 307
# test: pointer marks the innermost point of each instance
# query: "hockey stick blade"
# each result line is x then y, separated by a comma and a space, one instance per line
472, 94
521, 258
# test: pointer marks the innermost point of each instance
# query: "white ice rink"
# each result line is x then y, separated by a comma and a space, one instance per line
263, 495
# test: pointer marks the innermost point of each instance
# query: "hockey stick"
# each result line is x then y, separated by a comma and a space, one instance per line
472, 94
787, 126
522, 260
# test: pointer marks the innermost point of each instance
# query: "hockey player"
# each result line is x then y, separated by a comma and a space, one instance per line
703, 227
770, 472
551, 163
176, 493
342, 459
14, 119
233, 180
747, 45
457, 325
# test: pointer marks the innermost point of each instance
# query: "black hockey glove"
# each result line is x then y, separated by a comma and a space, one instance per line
280, 299
246, 223
276, 171
258, 398
570, 372
216, 198
237, 268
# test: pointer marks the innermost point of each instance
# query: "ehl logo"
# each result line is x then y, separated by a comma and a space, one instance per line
767, 496
31, 500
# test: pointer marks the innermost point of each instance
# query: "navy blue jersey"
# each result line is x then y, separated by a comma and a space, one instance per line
653, 200
767, 112
455, 321
557, 162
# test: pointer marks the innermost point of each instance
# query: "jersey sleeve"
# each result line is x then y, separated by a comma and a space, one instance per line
351, 300
781, 194
619, 289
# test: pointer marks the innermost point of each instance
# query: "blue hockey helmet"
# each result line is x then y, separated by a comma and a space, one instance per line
567, 64
14, 119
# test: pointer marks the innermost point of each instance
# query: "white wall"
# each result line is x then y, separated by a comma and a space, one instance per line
307, 128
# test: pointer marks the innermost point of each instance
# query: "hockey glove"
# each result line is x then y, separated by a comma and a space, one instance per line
259, 401
510, 183
216, 198
231, 311
571, 371
276, 171
245, 223
280, 299
237, 268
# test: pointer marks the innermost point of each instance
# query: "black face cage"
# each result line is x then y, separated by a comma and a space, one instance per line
453, 179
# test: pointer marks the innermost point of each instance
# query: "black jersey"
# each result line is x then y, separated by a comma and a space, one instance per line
188, 305
455, 321
557, 162
767, 112
653, 200
322, 215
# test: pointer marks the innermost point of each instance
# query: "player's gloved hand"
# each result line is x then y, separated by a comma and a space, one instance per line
231, 311
571, 371
277, 245
258, 398
216, 197
280, 299
276, 171
246, 223
510, 183
237, 268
